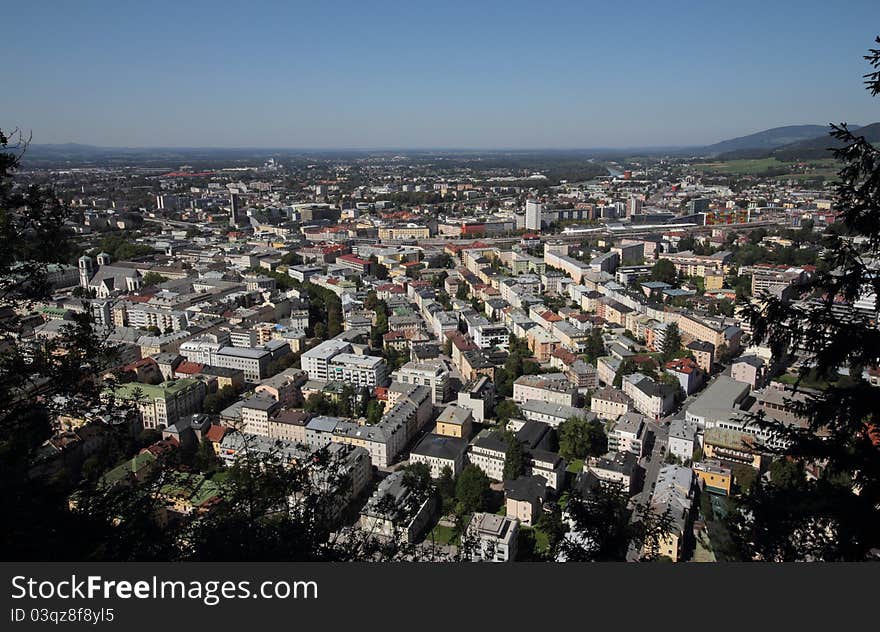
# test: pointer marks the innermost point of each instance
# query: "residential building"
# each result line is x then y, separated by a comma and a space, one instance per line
682, 439
358, 370
455, 421
162, 405
440, 451
551, 388
714, 476
749, 369
618, 468
394, 511
610, 403
431, 373
316, 361
524, 498
673, 496
652, 399
478, 396
493, 537
627, 434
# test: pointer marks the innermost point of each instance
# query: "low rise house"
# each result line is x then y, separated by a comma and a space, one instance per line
395, 511
552, 388
455, 421
620, 468
524, 498
628, 434
673, 496
492, 538
714, 476
610, 403
439, 451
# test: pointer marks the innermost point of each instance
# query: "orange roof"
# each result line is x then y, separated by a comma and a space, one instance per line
189, 368
682, 365
215, 433
138, 364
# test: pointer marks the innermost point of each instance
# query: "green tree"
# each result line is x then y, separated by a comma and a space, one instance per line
595, 347
514, 457
446, 489
320, 331
505, 410
375, 410
606, 525
580, 438
472, 490
671, 343
787, 474
552, 525
664, 270
206, 459
153, 278
627, 367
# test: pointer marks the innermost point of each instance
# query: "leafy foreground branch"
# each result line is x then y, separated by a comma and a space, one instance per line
834, 513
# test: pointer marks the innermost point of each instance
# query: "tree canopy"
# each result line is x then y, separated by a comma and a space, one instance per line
834, 516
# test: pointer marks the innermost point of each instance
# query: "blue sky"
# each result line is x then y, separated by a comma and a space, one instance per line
431, 74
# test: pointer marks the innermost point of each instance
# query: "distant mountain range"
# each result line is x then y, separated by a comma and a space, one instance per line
791, 142
768, 139
796, 142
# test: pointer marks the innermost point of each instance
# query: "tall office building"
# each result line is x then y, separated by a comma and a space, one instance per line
633, 206
234, 209
534, 215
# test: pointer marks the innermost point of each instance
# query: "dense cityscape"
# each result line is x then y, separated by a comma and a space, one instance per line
393, 303
462, 351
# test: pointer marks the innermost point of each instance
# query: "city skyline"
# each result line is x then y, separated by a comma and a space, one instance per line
425, 77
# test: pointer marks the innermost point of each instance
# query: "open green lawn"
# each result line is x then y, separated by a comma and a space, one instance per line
741, 167
441, 535
541, 540
761, 166
576, 466
806, 381
221, 476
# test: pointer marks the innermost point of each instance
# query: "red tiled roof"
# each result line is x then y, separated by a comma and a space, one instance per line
139, 363
163, 446
189, 368
565, 355
682, 365
353, 259
215, 433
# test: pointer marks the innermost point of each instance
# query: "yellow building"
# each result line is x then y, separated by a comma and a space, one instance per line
713, 281
716, 478
455, 421
410, 232
731, 446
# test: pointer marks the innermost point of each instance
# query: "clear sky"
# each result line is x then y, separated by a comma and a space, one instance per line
442, 73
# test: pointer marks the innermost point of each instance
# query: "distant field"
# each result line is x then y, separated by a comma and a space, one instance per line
802, 170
